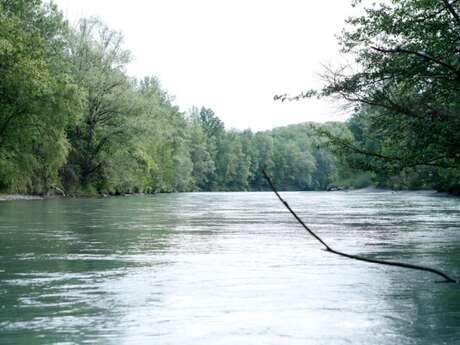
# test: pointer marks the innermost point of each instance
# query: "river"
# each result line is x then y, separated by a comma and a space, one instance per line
229, 268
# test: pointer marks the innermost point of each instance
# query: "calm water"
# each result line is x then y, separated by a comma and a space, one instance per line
228, 268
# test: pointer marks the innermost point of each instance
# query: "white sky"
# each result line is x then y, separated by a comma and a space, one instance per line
230, 55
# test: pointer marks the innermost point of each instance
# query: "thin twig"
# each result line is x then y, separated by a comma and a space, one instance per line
447, 279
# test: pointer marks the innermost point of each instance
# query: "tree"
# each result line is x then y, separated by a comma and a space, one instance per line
210, 123
214, 130
203, 164
407, 82
99, 62
38, 98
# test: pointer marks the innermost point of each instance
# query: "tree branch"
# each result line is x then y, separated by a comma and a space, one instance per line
452, 11
447, 279
420, 54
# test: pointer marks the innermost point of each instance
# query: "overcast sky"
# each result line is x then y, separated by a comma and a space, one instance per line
230, 55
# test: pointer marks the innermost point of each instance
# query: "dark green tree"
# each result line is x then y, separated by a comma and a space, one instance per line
406, 84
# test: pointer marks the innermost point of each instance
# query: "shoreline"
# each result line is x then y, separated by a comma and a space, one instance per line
28, 197
15, 197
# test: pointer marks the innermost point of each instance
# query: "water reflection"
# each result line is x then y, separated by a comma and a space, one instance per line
227, 268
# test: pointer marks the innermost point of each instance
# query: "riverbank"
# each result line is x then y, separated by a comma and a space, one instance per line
16, 197
13, 197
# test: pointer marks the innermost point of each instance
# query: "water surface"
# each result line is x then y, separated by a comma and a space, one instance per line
228, 268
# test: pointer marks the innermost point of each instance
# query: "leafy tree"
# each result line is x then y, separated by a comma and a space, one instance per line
410, 73
38, 98
214, 130
203, 165
99, 61
405, 86
210, 123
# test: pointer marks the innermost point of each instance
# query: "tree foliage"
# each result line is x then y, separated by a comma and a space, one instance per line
38, 97
71, 116
403, 85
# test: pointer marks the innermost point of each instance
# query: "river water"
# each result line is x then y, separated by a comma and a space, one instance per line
228, 268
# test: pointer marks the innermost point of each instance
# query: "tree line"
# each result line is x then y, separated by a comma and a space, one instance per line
71, 117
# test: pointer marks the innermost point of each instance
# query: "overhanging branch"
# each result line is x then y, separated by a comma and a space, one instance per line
420, 54
447, 279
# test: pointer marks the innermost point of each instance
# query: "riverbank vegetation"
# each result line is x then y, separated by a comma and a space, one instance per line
71, 117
